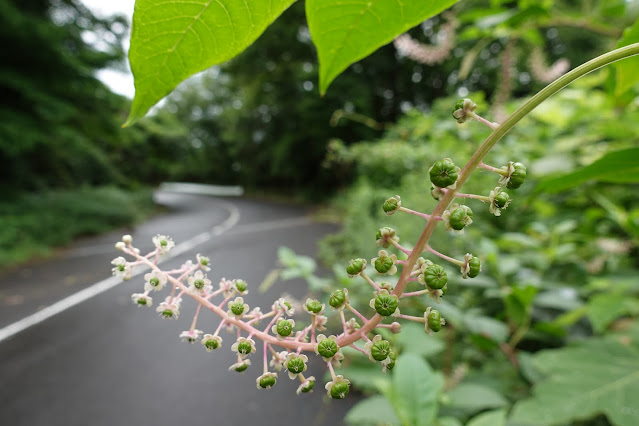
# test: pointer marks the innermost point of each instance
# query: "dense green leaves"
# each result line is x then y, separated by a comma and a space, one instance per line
597, 376
172, 40
345, 32
614, 167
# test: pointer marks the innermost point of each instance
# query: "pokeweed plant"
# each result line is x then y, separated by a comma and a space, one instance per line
167, 47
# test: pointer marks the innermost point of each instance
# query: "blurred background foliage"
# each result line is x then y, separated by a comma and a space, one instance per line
560, 266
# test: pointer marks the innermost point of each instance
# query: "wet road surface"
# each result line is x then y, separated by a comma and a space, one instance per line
107, 362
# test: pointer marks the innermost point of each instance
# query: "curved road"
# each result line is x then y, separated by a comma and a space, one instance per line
106, 362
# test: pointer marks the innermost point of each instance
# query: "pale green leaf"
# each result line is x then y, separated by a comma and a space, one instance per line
489, 418
174, 39
416, 388
347, 31
628, 69
474, 397
615, 167
600, 375
373, 411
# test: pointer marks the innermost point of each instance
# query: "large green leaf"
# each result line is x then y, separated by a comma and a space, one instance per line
628, 69
347, 31
600, 375
603, 309
615, 167
416, 388
373, 411
174, 39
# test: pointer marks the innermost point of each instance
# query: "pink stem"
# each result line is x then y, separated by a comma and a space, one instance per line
197, 313
396, 244
356, 312
443, 256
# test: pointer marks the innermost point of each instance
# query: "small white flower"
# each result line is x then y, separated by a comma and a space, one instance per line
256, 315
227, 287
203, 261
199, 284
211, 342
320, 322
127, 239
169, 308
155, 281
190, 336
121, 268
306, 386
337, 360
351, 326
494, 208
163, 243
465, 269
141, 299
120, 246
244, 347
285, 306
278, 359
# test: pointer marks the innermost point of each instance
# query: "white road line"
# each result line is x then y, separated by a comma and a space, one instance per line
106, 284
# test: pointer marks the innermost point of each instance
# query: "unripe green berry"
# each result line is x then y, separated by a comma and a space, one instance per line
380, 350
284, 328
212, 344
267, 382
199, 284
154, 282
242, 367
386, 304
355, 266
443, 173
167, 313
475, 267
309, 387
444, 289
237, 308
435, 320
435, 277
502, 199
383, 264
337, 298
461, 217
393, 358
244, 348
517, 177
314, 306
327, 348
295, 365
392, 205
339, 390
141, 301
240, 285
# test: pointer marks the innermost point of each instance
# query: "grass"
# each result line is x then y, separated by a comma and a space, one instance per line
33, 224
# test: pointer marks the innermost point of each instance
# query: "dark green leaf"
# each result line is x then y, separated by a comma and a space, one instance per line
373, 411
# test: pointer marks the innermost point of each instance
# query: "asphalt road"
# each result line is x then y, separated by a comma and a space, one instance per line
107, 362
